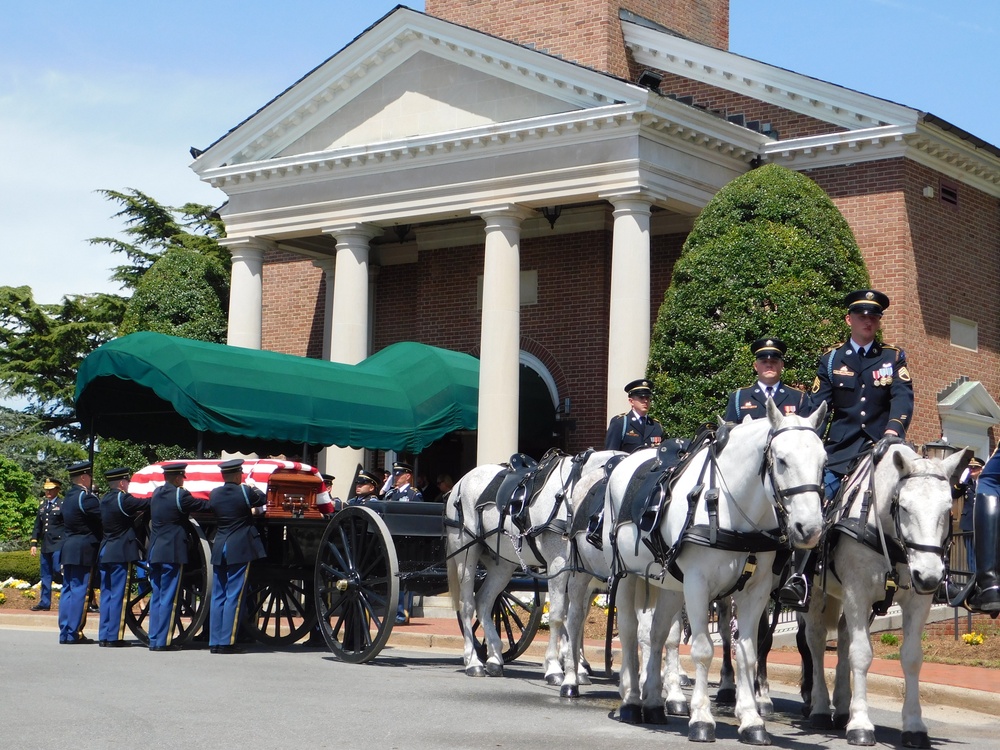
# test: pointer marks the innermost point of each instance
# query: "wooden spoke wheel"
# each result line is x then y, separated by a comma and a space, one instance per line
193, 597
516, 616
280, 610
357, 584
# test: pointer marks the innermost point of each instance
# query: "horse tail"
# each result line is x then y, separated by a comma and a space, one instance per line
453, 585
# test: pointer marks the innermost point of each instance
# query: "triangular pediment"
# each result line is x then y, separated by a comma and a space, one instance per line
411, 75
970, 398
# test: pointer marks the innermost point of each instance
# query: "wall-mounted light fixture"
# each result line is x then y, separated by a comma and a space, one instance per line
551, 213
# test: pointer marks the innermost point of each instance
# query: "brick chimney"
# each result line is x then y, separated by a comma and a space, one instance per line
586, 31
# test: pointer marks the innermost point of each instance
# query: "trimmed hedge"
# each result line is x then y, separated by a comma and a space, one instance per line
770, 255
20, 565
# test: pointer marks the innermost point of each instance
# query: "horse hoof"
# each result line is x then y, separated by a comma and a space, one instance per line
476, 671
861, 737
840, 721
553, 679
584, 679
654, 715
755, 736
916, 739
701, 731
807, 710
494, 670
765, 709
821, 722
569, 691
726, 697
677, 708
685, 681
630, 714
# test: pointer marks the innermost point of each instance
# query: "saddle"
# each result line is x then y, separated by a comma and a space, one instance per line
511, 490
648, 491
589, 515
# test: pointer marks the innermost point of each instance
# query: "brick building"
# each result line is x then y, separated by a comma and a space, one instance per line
518, 184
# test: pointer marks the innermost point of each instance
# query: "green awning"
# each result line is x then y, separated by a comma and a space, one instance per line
161, 389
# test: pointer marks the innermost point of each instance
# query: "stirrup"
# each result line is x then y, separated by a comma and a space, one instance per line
795, 593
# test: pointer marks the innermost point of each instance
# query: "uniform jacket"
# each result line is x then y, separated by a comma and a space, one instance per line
236, 538
406, 494
864, 396
82, 519
49, 530
753, 401
989, 478
118, 513
968, 495
628, 432
168, 508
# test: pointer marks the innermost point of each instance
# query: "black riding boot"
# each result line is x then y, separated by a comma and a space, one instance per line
985, 595
795, 592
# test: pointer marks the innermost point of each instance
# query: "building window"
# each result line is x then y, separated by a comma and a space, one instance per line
965, 334
949, 193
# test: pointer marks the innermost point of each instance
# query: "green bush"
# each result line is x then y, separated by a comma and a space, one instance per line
18, 506
19, 565
769, 255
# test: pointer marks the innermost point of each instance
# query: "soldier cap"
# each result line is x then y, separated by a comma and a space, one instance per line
769, 347
118, 473
366, 477
976, 463
177, 468
640, 387
401, 467
867, 302
232, 465
80, 467
51, 484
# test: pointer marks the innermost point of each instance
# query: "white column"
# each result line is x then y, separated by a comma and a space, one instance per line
500, 337
349, 330
628, 318
327, 266
245, 291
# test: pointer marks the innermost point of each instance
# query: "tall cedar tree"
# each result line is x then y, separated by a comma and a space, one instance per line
770, 255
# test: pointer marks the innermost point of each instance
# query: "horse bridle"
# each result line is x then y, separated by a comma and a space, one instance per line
781, 494
894, 512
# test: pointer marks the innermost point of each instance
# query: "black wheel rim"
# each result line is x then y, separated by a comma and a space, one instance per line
357, 586
516, 616
280, 607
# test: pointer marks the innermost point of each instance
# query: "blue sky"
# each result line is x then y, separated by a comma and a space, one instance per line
112, 94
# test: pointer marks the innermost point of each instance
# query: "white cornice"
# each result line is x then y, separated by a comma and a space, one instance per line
731, 72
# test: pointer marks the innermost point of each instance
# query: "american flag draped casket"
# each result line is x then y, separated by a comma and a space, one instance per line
293, 489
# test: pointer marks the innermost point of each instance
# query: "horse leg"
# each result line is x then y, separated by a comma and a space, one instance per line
765, 638
749, 604
816, 623
915, 611
498, 575
555, 653
577, 596
676, 701
860, 730
701, 725
463, 585
630, 711
663, 606
726, 694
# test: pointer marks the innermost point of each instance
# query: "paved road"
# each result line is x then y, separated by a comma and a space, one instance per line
88, 697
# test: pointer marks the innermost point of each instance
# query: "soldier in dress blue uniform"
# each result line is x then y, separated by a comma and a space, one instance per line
869, 394
634, 429
170, 506
967, 491
119, 549
402, 489
49, 531
365, 488
237, 543
82, 519
769, 363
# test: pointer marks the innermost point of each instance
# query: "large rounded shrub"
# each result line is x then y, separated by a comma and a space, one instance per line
769, 255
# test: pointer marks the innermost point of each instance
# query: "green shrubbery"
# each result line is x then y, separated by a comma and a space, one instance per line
769, 255
19, 565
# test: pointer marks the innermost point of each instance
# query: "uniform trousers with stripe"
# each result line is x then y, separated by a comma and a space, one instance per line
164, 581
114, 579
73, 602
228, 584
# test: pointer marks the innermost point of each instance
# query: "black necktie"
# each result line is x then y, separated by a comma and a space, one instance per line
769, 391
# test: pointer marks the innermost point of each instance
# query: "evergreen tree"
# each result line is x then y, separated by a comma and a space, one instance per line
770, 255
18, 504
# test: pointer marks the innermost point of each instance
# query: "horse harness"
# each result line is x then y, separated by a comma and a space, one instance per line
710, 534
874, 537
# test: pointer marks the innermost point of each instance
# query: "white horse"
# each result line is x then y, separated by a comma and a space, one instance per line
733, 505
910, 508
477, 536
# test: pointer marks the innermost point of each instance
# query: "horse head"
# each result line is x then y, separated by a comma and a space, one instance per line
918, 491
794, 461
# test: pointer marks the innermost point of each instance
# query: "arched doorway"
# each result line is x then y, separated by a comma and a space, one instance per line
536, 423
